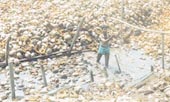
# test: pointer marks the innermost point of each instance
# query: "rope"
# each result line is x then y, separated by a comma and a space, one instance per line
144, 29
133, 26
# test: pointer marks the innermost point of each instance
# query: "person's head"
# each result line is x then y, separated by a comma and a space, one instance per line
104, 28
105, 34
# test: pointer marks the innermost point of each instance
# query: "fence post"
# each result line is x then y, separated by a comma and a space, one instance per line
7, 50
118, 64
163, 53
12, 80
122, 9
122, 17
43, 75
91, 76
11, 70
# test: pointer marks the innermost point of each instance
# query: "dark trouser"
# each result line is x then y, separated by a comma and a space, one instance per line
106, 59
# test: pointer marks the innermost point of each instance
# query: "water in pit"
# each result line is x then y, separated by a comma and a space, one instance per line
134, 65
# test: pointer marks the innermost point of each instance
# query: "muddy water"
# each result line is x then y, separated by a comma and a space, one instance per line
134, 65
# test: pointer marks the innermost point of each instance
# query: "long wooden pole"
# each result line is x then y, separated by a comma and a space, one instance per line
76, 35
79, 27
163, 54
58, 54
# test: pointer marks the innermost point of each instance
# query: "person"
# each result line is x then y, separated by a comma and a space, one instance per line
104, 47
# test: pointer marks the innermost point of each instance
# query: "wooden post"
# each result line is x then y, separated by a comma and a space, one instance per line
152, 69
43, 75
7, 50
12, 80
122, 9
91, 76
118, 63
76, 35
163, 54
122, 17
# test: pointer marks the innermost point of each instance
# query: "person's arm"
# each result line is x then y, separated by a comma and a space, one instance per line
110, 38
106, 40
113, 36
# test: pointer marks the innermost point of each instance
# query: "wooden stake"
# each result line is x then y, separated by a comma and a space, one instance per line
12, 80
152, 69
43, 75
122, 17
118, 63
7, 50
122, 9
91, 76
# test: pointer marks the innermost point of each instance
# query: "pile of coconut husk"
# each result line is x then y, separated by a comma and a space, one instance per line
46, 26
154, 88
152, 42
43, 27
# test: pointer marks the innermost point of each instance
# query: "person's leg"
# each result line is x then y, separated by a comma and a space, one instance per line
98, 57
107, 60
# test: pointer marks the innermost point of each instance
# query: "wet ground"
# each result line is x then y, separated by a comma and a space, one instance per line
134, 66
